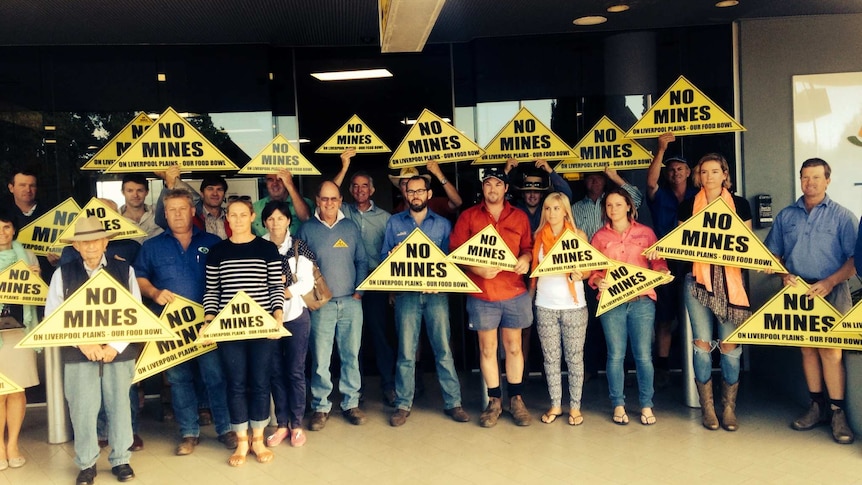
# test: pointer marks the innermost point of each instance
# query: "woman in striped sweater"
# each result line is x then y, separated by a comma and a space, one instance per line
248, 263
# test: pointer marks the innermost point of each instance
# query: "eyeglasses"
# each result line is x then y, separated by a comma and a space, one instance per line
234, 198
419, 192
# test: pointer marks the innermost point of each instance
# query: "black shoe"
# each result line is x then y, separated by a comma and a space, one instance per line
137, 443
124, 472
86, 476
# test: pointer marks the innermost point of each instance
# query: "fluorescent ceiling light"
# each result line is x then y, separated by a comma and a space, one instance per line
301, 140
590, 20
50, 128
727, 3
618, 8
351, 75
408, 121
155, 116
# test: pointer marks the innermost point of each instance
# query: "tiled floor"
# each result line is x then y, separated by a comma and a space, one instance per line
432, 449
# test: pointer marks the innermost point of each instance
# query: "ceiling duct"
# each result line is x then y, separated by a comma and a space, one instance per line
406, 24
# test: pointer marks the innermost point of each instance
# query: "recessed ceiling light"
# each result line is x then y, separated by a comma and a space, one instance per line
351, 75
590, 20
618, 8
161, 77
727, 3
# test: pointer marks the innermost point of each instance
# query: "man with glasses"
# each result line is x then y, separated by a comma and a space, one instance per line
445, 206
411, 307
280, 186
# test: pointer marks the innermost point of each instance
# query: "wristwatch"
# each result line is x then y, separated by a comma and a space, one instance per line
443, 181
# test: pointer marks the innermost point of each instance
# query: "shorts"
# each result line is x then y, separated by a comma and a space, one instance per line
516, 312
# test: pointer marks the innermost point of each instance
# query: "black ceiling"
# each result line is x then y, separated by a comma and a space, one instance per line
352, 22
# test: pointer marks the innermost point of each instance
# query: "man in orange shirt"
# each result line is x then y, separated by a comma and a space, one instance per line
504, 302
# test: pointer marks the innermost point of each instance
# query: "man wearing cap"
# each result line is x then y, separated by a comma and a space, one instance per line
815, 238
209, 214
280, 186
663, 200
504, 301
445, 206
535, 187
96, 374
174, 263
411, 307
372, 220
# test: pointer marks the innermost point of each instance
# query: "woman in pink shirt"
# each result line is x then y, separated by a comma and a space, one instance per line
623, 239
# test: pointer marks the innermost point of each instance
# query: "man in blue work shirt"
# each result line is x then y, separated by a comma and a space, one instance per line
410, 307
815, 238
174, 263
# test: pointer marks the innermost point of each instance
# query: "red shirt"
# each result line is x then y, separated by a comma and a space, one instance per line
514, 228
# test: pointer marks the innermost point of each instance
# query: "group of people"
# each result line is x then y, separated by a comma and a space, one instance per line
197, 249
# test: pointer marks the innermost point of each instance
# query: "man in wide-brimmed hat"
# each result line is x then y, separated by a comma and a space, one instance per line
535, 183
96, 373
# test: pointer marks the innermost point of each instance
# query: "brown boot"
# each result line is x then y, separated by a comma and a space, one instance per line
728, 401
491, 414
707, 405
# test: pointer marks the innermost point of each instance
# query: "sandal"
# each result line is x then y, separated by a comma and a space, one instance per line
647, 419
550, 416
264, 455
238, 457
576, 419
621, 419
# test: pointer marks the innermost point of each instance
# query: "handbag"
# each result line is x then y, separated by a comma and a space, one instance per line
320, 293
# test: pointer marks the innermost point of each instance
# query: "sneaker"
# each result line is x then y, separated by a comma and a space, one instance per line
399, 417
488, 418
458, 414
815, 416
841, 432
519, 411
354, 416
276, 438
318, 421
187, 445
229, 439
86, 476
123, 472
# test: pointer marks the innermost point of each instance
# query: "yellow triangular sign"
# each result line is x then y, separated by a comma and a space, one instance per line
792, 319
111, 220
242, 318
19, 285
276, 155
524, 138
41, 235
417, 264
340, 244
431, 138
851, 322
98, 312
716, 235
570, 253
185, 318
626, 282
684, 110
115, 147
605, 145
354, 134
171, 141
486, 248
8, 387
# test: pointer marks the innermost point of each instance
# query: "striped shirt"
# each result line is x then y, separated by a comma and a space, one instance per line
588, 214
253, 267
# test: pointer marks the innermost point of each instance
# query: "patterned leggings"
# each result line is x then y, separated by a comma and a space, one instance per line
570, 328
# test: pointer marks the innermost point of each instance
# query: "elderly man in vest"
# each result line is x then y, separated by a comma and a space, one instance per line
96, 373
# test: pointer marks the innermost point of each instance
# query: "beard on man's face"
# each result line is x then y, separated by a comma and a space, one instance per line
418, 207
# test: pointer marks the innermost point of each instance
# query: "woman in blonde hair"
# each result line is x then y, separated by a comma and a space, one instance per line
715, 291
561, 311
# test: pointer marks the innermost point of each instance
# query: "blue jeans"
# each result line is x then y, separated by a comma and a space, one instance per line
375, 319
409, 310
633, 321
702, 322
288, 372
184, 396
339, 321
87, 385
247, 366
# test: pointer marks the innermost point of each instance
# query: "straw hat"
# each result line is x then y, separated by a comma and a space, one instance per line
406, 173
89, 229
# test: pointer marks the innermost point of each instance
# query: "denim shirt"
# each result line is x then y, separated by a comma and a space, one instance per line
400, 225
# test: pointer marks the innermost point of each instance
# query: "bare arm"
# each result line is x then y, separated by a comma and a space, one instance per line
299, 205
451, 192
346, 155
